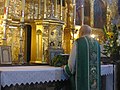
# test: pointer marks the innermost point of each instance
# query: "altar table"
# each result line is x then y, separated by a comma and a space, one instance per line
107, 70
12, 75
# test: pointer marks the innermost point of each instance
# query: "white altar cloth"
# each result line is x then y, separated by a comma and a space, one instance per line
30, 74
106, 69
13, 75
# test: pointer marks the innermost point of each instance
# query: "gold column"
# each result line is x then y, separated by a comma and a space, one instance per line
33, 43
67, 30
39, 45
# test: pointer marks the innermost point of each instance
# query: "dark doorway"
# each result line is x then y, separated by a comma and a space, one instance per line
28, 42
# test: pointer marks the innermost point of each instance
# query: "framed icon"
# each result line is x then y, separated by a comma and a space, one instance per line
5, 55
54, 52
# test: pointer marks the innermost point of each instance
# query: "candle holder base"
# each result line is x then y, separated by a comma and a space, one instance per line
21, 59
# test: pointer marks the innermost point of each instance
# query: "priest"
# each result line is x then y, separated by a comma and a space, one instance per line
83, 68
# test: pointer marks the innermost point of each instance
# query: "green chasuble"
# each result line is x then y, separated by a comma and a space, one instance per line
87, 65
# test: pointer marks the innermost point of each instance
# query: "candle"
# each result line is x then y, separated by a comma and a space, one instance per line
61, 9
23, 5
74, 12
82, 12
6, 9
23, 10
45, 9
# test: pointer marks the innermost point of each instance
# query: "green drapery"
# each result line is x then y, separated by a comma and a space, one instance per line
87, 72
88, 64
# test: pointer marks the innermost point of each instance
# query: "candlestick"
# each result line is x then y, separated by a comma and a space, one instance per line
82, 12
21, 54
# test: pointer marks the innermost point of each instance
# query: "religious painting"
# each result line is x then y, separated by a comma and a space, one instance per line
5, 55
54, 52
55, 36
78, 12
87, 12
100, 10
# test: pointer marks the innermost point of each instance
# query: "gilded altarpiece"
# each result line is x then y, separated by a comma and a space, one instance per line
12, 27
13, 39
48, 38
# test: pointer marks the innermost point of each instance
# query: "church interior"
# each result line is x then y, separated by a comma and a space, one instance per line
33, 32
